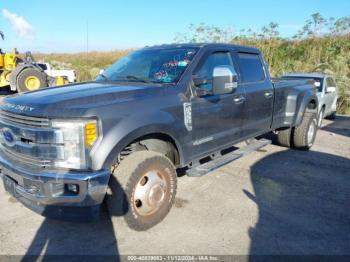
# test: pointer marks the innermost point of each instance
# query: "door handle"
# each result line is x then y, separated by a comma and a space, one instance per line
239, 99
268, 94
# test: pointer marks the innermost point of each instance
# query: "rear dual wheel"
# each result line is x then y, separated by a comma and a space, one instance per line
305, 133
301, 137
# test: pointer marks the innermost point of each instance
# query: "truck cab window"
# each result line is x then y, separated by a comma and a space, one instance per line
251, 67
205, 71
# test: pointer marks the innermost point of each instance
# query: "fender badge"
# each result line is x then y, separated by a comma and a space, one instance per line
188, 116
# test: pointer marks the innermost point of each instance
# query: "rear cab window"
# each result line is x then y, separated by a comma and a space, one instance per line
251, 67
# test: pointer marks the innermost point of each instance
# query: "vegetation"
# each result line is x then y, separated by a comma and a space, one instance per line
320, 45
87, 66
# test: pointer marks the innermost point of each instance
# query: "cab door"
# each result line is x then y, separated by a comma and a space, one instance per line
216, 119
259, 94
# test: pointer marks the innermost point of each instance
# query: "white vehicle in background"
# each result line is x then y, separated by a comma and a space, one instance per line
68, 73
327, 93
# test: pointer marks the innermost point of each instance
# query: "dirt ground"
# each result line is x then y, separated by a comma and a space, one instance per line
275, 201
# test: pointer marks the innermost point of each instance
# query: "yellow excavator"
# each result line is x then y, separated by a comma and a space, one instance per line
23, 75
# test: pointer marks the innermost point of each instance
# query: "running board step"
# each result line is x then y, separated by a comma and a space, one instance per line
216, 163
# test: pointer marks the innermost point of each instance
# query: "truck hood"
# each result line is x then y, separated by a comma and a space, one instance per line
74, 100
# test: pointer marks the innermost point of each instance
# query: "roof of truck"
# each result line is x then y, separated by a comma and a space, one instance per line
310, 75
200, 45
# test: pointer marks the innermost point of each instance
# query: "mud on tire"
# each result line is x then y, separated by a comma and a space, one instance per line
142, 189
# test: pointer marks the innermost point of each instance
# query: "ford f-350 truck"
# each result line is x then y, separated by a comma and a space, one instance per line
121, 138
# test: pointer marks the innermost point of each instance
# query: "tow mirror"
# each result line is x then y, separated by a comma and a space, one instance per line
225, 79
331, 89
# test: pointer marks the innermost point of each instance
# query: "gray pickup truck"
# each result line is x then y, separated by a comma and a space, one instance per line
122, 138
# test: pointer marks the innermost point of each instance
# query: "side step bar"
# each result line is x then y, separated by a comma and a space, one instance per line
216, 163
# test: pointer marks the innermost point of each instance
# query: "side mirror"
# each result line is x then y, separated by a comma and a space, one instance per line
331, 89
101, 71
225, 80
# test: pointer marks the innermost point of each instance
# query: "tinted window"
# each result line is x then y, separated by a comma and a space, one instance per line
251, 67
206, 70
42, 66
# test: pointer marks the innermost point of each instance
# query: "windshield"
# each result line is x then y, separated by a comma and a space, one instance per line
150, 65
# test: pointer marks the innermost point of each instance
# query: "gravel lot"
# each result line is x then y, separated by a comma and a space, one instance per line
275, 201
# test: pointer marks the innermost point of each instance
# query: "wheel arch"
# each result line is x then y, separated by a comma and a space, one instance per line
309, 104
142, 134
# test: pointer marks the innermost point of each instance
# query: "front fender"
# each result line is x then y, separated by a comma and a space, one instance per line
129, 129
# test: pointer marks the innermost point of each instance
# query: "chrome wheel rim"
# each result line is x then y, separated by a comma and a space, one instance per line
311, 133
150, 193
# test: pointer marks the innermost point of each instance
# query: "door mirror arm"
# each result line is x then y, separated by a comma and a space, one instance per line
202, 92
198, 82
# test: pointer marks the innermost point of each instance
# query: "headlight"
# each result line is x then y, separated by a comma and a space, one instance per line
77, 137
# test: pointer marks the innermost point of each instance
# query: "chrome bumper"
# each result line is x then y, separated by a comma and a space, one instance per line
44, 187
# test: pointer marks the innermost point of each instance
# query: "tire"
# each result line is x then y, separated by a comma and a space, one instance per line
304, 135
284, 137
31, 79
320, 118
332, 116
138, 173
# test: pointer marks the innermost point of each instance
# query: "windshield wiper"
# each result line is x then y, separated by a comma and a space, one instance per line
131, 77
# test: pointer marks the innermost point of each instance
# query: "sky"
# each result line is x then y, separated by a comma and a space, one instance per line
61, 25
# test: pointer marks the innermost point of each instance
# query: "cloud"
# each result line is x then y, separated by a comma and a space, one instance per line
19, 24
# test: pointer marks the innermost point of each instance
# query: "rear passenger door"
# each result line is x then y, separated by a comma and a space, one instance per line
259, 94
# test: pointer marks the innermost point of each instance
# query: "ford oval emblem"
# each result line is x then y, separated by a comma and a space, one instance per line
9, 137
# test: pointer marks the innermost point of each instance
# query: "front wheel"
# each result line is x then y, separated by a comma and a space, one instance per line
142, 189
305, 134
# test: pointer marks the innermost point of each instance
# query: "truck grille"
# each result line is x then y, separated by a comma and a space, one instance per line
34, 141
24, 120
26, 159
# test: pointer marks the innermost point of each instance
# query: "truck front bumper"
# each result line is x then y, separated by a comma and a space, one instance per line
55, 193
